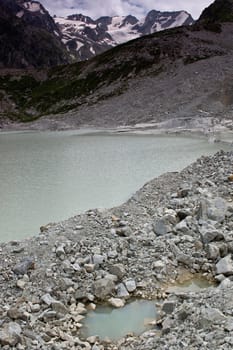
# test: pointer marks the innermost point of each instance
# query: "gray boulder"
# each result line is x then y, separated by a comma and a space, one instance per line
130, 285
117, 270
122, 291
225, 266
214, 209
161, 227
103, 288
10, 334
25, 265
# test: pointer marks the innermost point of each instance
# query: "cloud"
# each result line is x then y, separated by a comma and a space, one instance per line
138, 8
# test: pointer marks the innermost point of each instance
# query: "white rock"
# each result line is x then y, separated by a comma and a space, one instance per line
225, 266
116, 302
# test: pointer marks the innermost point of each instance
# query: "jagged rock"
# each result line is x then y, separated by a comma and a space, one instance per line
214, 209
130, 285
122, 291
59, 307
225, 266
168, 306
210, 235
117, 270
209, 316
103, 288
10, 334
182, 227
89, 267
48, 299
213, 252
98, 259
17, 314
25, 265
161, 227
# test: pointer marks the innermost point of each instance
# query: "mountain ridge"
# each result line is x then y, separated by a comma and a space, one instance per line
85, 37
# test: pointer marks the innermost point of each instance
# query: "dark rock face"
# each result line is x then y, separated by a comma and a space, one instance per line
219, 11
29, 37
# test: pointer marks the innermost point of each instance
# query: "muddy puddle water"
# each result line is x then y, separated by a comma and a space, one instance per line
192, 285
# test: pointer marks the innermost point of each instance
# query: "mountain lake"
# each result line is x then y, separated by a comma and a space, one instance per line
50, 176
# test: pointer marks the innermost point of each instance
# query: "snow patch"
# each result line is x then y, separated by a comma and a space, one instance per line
33, 7
180, 19
20, 14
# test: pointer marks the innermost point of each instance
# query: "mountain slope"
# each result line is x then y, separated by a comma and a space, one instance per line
28, 36
85, 37
219, 11
179, 75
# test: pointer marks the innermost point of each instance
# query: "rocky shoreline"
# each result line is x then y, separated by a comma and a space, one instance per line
176, 225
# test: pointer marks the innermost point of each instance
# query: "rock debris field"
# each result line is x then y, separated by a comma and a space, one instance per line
178, 225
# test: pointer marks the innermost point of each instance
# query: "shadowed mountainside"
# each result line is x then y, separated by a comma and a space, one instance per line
29, 36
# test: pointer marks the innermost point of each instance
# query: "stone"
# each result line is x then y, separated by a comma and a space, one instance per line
226, 283
210, 235
182, 227
103, 288
130, 285
21, 284
123, 231
10, 334
93, 339
217, 209
116, 302
158, 265
214, 209
225, 266
89, 267
117, 270
213, 252
112, 254
16, 314
59, 307
122, 291
230, 178
98, 259
35, 307
25, 265
167, 325
185, 259
48, 299
168, 306
210, 315
229, 323
60, 251
161, 227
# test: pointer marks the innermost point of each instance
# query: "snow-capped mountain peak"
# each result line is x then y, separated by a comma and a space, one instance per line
85, 37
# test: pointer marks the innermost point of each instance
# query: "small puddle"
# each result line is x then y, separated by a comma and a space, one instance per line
191, 285
135, 317
114, 324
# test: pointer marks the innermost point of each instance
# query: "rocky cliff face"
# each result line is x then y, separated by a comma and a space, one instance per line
85, 37
219, 11
29, 36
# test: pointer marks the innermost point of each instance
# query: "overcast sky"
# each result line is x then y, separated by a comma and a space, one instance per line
138, 8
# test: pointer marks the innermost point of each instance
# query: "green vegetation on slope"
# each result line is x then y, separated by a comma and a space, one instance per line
67, 87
